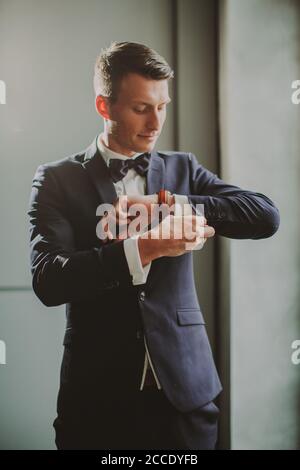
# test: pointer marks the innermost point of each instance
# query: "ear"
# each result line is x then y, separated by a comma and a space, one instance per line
102, 106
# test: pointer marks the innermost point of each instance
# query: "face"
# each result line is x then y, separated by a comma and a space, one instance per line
135, 120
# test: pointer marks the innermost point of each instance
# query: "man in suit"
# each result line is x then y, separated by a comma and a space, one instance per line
137, 369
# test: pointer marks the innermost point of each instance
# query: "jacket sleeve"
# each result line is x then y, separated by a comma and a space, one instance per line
60, 273
232, 211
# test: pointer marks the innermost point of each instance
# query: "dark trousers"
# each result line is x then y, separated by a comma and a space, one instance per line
147, 420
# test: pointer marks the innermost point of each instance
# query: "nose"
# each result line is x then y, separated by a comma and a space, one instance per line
153, 121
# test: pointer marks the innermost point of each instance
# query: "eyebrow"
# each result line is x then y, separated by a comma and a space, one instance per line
149, 104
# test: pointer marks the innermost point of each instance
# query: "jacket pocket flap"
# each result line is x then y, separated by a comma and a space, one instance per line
190, 316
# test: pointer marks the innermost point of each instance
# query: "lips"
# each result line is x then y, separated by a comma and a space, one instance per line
148, 136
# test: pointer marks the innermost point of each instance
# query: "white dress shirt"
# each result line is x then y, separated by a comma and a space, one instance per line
134, 184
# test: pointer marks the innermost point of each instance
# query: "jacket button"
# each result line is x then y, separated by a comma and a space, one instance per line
142, 295
138, 334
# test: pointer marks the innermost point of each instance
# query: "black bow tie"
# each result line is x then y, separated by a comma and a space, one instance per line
118, 168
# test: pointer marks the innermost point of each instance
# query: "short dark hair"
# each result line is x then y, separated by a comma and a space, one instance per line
121, 58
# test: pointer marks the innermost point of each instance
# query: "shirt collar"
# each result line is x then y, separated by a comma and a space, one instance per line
109, 154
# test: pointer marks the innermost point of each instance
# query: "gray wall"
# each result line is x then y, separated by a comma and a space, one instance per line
260, 147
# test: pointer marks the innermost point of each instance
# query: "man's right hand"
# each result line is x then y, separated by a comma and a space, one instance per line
174, 236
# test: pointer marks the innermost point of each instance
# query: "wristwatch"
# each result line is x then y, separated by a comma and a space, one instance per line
164, 196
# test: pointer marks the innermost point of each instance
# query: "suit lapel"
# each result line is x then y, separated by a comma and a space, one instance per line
99, 174
101, 179
156, 174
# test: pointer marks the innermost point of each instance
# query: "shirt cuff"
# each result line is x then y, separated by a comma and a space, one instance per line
185, 208
138, 273
182, 205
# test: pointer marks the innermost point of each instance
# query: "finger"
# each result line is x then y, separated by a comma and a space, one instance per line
122, 217
197, 244
118, 217
122, 235
198, 221
123, 204
208, 231
110, 235
200, 244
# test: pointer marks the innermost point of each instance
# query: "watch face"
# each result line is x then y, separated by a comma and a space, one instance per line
163, 196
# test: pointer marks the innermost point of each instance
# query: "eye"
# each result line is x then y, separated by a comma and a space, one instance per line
144, 109
139, 110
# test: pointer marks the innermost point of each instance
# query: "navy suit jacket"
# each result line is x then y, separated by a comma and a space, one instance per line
71, 266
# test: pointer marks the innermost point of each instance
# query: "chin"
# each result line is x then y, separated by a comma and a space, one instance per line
143, 148
148, 147
144, 145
